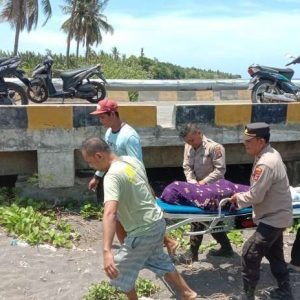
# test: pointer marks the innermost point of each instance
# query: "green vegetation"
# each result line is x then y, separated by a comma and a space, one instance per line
38, 221
105, 291
85, 21
115, 66
85, 24
92, 211
295, 226
24, 220
234, 236
178, 235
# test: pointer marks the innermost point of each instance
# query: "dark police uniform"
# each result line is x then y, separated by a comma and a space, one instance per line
271, 200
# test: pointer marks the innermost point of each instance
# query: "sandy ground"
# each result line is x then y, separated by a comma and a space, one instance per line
45, 273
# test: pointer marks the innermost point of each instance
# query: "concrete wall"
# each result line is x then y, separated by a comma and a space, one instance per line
47, 136
46, 139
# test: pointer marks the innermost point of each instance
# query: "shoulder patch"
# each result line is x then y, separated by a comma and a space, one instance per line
217, 152
257, 173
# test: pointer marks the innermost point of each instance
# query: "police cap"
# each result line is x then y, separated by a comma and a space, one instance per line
259, 129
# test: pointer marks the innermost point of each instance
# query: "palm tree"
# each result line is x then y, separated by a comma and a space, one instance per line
68, 25
23, 14
94, 23
85, 17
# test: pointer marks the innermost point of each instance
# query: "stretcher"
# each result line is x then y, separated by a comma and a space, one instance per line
213, 222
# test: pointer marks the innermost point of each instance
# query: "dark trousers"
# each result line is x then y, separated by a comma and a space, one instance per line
267, 241
100, 191
295, 254
196, 240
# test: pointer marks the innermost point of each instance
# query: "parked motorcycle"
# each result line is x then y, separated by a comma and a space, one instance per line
76, 83
273, 85
12, 93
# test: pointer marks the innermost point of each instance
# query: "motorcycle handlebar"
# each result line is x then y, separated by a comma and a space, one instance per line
295, 61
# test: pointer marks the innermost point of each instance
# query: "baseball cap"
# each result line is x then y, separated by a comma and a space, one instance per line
105, 106
259, 129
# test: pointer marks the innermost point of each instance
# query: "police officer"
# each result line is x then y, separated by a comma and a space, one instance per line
271, 200
203, 163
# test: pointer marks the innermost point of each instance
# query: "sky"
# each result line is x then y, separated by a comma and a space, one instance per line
225, 35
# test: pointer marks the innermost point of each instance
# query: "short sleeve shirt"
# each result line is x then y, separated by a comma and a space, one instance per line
126, 182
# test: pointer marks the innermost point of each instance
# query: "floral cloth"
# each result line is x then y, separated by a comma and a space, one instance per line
206, 196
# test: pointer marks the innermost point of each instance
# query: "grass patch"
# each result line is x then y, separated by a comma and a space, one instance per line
105, 291
38, 221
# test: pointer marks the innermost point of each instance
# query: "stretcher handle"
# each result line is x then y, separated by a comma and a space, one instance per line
221, 203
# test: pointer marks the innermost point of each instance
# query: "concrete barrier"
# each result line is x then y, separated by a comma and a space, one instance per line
50, 136
226, 121
237, 114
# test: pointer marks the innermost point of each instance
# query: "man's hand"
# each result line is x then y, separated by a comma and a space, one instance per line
109, 265
201, 182
93, 184
233, 199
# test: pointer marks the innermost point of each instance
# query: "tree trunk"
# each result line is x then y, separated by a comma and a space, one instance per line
17, 34
87, 51
77, 49
18, 28
70, 33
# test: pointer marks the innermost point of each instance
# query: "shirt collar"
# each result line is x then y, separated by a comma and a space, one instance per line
264, 150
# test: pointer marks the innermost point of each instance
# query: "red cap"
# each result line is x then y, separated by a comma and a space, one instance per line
105, 106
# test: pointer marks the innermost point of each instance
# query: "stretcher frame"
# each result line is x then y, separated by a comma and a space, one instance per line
218, 222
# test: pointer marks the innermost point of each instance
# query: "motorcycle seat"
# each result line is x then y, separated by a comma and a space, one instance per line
8, 60
72, 73
279, 70
2, 59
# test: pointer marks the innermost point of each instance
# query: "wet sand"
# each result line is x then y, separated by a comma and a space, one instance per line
47, 273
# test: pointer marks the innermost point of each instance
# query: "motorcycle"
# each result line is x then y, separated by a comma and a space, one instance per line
76, 83
273, 85
12, 93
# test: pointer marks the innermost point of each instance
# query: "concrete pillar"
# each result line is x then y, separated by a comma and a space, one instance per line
56, 168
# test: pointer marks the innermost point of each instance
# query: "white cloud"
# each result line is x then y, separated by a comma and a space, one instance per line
229, 44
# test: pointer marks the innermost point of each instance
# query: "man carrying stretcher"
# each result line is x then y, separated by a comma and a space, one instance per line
271, 200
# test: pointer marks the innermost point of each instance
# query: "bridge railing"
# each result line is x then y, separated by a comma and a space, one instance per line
174, 90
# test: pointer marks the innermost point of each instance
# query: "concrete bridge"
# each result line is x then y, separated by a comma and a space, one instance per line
45, 139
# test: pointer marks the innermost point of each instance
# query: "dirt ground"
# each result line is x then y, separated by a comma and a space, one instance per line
43, 272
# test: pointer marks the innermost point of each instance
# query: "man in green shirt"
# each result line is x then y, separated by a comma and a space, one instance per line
128, 198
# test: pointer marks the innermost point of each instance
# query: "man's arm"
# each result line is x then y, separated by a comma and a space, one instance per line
219, 165
262, 181
188, 165
134, 148
109, 230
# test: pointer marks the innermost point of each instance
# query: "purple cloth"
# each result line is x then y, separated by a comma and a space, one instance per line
206, 196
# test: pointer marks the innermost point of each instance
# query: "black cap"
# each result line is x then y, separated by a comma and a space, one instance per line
259, 129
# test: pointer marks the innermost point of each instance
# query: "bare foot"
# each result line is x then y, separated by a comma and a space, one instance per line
171, 247
191, 295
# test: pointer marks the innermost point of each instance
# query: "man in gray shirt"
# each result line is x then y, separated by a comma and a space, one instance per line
271, 200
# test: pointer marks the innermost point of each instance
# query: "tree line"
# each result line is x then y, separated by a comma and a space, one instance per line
85, 23
116, 66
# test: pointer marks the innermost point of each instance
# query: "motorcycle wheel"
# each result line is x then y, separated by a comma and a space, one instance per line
19, 95
257, 95
100, 94
37, 92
